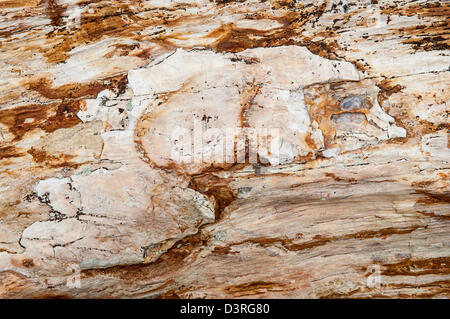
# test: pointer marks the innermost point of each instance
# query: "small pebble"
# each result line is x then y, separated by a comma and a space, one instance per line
351, 103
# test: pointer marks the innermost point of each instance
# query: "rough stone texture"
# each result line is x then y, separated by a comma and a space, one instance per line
94, 204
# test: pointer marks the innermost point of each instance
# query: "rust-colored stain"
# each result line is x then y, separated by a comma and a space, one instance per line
431, 289
341, 179
49, 117
219, 250
18, 3
427, 36
55, 115
99, 20
9, 152
247, 102
323, 104
57, 107
433, 215
54, 12
318, 240
387, 89
167, 265
418, 267
430, 43
121, 20
433, 198
233, 39
253, 288
41, 157
28, 262
77, 90
216, 187
426, 9
310, 142
320, 108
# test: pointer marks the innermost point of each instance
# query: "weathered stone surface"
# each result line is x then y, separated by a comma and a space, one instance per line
125, 172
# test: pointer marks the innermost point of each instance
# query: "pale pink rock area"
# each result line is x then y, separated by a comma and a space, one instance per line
96, 98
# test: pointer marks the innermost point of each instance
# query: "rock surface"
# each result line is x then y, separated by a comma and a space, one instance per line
224, 149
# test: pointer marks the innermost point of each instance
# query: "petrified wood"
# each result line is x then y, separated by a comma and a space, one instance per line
101, 194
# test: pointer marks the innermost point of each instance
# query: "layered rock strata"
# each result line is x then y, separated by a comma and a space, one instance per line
224, 149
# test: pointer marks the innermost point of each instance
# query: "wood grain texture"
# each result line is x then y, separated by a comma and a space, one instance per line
93, 202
